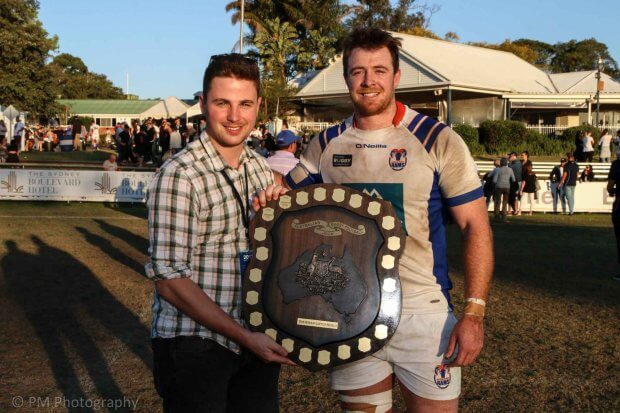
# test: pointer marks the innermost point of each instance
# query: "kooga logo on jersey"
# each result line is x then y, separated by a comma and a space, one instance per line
370, 146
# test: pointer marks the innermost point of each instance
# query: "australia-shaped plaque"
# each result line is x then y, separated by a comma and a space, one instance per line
323, 281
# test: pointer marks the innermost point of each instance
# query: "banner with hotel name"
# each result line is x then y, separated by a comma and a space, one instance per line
68, 185
120, 186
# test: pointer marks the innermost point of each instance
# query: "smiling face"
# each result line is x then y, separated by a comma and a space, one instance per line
371, 80
231, 107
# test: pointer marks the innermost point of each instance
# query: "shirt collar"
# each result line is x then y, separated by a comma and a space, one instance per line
284, 153
216, 160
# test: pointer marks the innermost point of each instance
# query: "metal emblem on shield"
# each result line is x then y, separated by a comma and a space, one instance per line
323, 281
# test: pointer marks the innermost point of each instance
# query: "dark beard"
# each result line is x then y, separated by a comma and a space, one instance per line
363, 111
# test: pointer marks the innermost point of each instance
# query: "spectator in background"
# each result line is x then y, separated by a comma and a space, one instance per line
528, 186
3, 130
110, 163
525, 161
139, 138
149, 142
588, 146
513, 197
4, 149
489, 187
569, 181
256, 136
504, 181
76, 130
94, 136
617, 142
604, 146
613, 179
13, 153
164, 138
579, 146
19, 131
554, 180
191, 133
284, 159
176, 141
125, 148
587, 175
262, 149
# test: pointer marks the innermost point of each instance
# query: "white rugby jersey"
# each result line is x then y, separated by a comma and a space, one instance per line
418, 164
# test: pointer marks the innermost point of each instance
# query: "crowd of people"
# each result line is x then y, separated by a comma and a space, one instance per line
585, 146
513, 181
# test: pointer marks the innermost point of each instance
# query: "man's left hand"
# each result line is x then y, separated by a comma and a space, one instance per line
468, 334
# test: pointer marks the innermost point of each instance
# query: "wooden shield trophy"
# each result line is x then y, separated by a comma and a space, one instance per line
323, 281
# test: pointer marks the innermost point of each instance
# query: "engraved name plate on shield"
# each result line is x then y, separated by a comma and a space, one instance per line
323, 281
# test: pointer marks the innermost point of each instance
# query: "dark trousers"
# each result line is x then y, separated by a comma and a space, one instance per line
194, 375
500, 195
615, 219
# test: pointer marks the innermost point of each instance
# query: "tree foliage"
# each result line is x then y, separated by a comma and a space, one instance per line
25, 47
400, 17
570, 56
576, 55
73, 80
29, 78
523, 51
289, 37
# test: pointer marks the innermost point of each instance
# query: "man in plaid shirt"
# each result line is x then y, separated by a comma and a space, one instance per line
204, 358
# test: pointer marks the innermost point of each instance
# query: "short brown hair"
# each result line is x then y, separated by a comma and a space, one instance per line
231, 65
370, 39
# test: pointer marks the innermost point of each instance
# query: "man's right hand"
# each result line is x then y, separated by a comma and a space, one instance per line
272, 192
266, 349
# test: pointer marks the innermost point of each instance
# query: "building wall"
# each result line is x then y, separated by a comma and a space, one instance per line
474, 111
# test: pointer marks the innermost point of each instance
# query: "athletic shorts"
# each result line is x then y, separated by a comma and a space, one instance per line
415, 353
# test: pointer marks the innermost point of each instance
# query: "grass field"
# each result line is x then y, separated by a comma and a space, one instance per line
76, 314
96, 157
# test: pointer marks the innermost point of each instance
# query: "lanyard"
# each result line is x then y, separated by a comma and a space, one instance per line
245, 207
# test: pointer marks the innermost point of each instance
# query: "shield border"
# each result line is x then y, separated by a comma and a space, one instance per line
381, 330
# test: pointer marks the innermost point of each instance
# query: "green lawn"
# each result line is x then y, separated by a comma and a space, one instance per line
96, 157
77, 309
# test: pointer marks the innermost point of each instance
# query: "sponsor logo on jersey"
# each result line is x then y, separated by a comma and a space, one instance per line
442, 376
392, 192
342, 160
370, 146
398, 159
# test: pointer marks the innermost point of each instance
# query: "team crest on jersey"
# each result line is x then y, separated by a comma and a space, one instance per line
398, 159
442, 376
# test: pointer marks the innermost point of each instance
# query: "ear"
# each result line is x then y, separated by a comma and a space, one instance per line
203, 107
396, 78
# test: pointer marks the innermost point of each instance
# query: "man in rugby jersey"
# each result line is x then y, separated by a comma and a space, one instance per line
425, 169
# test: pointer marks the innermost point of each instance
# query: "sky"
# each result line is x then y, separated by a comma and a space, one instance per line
165, 46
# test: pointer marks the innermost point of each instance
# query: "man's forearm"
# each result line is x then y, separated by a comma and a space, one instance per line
477, 260
185, 295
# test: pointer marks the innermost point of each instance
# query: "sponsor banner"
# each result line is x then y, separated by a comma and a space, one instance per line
121, 186
68, 185
589, 197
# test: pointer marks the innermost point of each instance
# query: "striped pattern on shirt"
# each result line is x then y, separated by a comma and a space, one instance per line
196, 231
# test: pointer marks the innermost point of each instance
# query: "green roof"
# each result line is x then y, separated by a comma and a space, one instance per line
107, 106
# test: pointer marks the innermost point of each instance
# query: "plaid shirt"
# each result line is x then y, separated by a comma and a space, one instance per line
196, 231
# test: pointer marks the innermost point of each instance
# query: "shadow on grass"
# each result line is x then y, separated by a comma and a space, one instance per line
141, 244
110, 250
137, 209
64, 301
560, 260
